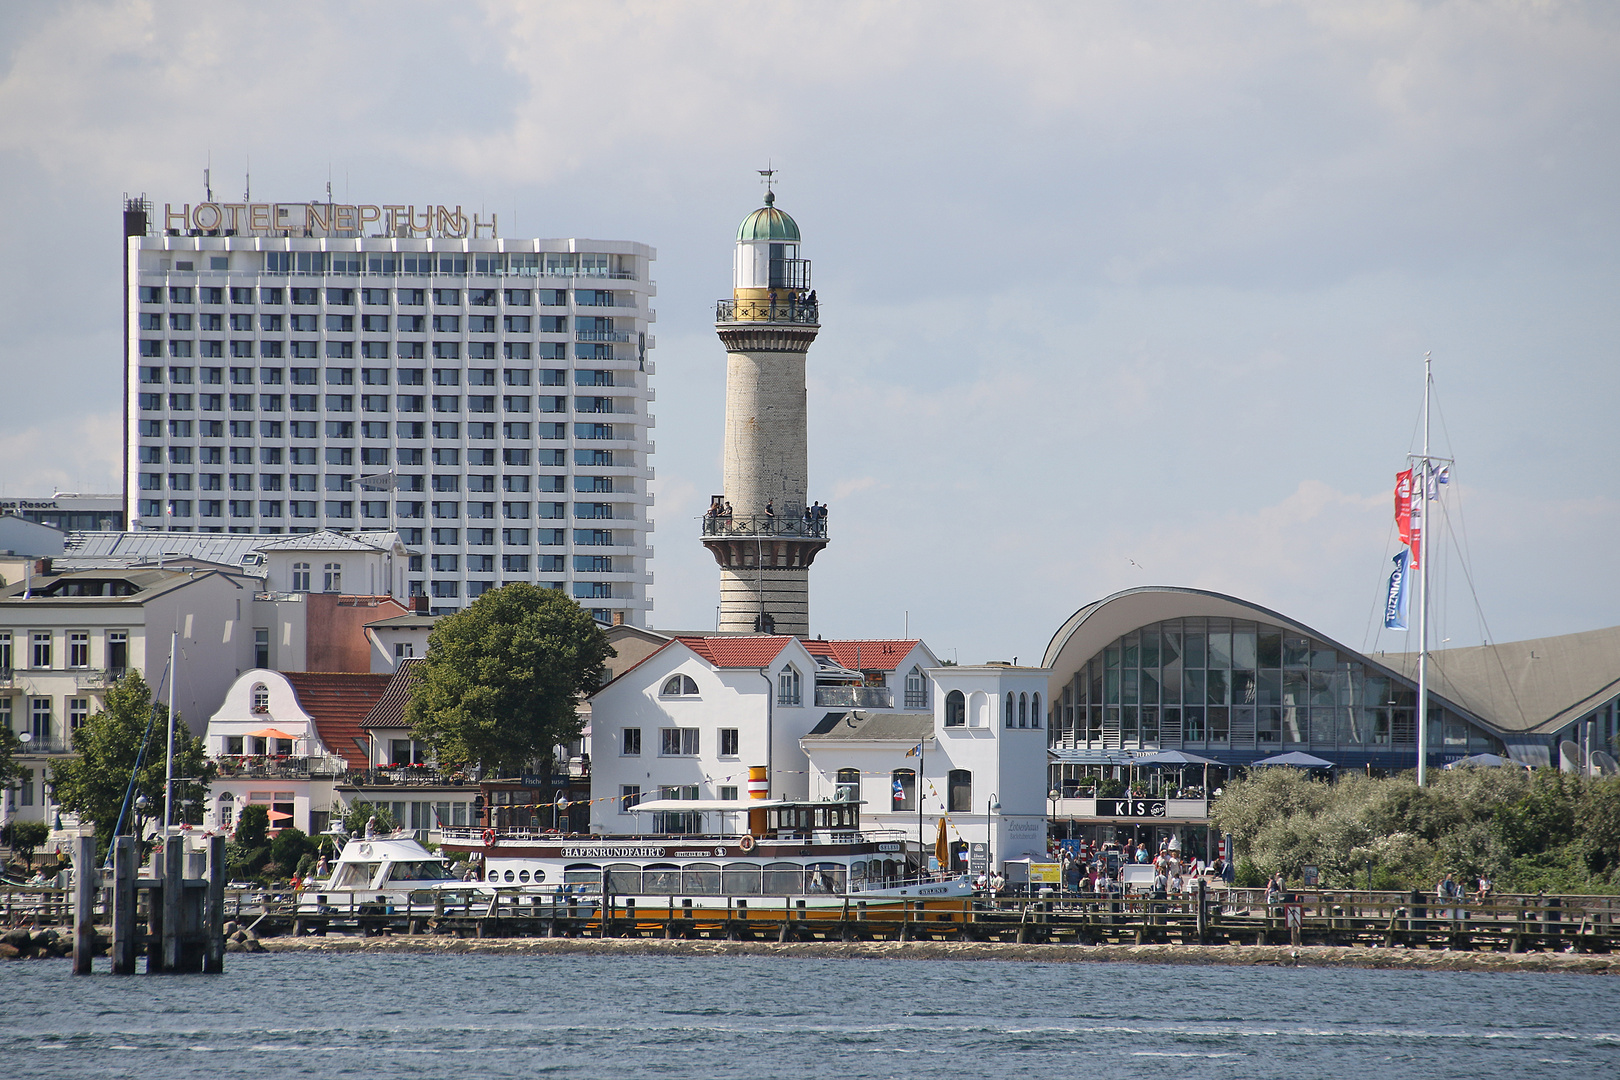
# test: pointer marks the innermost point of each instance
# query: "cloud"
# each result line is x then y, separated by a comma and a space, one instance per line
66, 453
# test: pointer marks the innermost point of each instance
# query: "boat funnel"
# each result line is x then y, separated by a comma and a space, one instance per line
759, 787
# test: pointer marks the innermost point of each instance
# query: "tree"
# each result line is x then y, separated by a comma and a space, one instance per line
9, 769
358, 813
93, 785
503, 678
25, 838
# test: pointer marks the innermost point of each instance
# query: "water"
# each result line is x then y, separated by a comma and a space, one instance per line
394, 1017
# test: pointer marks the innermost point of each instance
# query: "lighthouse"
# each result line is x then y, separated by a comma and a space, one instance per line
759, 529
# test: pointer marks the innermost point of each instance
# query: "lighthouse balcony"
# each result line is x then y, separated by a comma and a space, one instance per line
789, 308
737, 527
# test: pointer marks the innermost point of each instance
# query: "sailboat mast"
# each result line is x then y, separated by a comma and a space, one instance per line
168, 764
1421, 480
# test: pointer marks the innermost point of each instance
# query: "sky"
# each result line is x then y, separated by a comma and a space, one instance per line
1112, 294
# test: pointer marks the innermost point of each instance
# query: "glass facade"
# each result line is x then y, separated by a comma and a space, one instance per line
1254, 689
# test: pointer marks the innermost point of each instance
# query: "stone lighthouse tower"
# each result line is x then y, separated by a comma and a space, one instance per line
758, 529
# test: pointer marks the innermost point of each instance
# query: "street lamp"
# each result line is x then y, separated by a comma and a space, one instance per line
989, 834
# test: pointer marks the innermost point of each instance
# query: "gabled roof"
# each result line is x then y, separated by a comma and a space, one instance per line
339, 703
864, 726
389, 712
408, 621
754, 651
864, 654
89, 587
325, 540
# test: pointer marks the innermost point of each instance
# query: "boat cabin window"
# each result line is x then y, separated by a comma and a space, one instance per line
740, 879
425, 870
700, 879
783, 879
586, 874
624, 878
661, 879
826, 877
354, 875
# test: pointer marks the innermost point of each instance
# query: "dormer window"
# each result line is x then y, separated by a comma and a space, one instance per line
679, 686
916, 689
261, 698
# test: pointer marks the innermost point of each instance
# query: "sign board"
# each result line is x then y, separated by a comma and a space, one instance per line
1312, 876
1046, 873
1139, 808
978, 858
1295, 915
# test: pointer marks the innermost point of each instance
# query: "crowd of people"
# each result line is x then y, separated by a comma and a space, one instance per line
720, 515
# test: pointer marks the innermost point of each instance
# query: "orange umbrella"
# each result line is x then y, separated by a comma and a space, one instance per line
942, 847
270, 733
277, 815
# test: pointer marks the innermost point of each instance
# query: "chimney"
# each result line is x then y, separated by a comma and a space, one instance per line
419, 605
618, 618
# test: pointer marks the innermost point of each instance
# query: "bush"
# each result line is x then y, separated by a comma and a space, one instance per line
251, 826
1247, 875
290, 847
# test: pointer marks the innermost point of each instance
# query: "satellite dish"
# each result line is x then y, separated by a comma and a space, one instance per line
1604, 764
1569, 757
26, 737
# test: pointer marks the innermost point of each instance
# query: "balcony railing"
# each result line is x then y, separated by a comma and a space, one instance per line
405, 776
280, 768
788, 309
764, 525
47, 744
601, 335
855, 697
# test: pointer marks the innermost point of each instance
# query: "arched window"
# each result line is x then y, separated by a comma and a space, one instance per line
903, 790
955, 709
916, 689
1035, 710
1023, 710
959, 790
849, 785
261, 698
789, 687
679, 686
300, 582
1008, 711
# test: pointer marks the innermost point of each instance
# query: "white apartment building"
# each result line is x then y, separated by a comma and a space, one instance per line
294, 367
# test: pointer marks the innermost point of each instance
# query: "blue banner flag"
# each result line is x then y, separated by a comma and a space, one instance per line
1395, 603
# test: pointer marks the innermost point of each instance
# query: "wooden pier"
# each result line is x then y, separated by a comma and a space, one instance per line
1506, 923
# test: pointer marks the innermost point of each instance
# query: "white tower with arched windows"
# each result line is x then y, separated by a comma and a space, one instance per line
759, 529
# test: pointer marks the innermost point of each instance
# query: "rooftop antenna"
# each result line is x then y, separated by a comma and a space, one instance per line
208, 190
247, 191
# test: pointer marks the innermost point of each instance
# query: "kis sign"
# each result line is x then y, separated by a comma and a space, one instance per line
1137, 808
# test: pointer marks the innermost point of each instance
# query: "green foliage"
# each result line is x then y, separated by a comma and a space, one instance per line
503, 677
252, 825
358, 813
291, 847
93, 784
9, 769
1247, 875
25, 838
1543, 832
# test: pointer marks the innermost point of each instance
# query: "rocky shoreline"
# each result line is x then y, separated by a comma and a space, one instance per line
1241, 955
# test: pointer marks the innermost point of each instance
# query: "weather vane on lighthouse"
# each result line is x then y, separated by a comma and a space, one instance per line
768, 173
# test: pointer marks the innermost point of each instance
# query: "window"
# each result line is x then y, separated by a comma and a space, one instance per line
78, 649
300, 579
261, 698
1007, 711
916, 689
78, 709
789, 686
903, 789
117, 651
629, 795
1035, 710
729, 742
39, 717
959, 792
42, 649
261, 642
631, 742
333, 578
955, 709
848, 785
679, 686
5, 654
677, 741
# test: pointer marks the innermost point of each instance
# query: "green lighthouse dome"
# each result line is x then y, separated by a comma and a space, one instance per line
768, 223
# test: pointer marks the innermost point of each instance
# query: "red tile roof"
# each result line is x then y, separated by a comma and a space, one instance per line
339, 703
753, 651
866, 654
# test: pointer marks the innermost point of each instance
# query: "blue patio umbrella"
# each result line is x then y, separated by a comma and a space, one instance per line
1486, 761
1297, 760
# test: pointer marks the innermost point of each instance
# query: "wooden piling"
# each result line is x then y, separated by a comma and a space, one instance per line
126, 867
86, 883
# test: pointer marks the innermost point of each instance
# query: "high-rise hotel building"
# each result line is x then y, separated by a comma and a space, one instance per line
293, 367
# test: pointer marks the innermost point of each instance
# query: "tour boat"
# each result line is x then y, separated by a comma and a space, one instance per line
810, 858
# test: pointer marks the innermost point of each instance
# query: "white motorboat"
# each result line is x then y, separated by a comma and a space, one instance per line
378, 874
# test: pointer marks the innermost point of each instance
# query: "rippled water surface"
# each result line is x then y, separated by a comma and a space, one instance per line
395, 1017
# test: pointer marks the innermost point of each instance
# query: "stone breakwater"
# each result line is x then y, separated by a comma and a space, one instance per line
1239, 955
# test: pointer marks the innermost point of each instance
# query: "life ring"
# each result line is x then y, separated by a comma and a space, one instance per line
746, 844
489, 837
